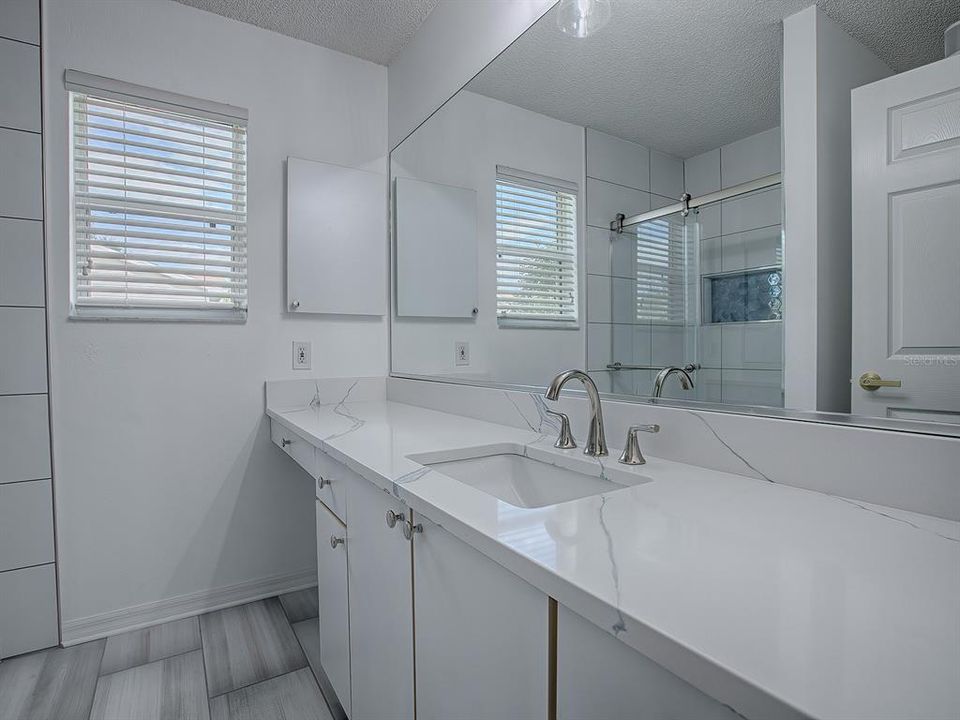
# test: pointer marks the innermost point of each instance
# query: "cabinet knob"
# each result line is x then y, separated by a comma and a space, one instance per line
284, 442
295, 305
409, 529
393, 518
334, 541
322, 483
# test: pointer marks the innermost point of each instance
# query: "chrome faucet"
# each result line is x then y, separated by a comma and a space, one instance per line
596, 442
686, 382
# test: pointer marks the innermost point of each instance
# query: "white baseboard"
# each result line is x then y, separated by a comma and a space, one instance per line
94, 627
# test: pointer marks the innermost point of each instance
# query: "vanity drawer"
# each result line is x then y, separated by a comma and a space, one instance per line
303, 453
332, 485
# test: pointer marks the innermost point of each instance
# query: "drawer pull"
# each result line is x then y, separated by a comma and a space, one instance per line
284, 442
334, 541
409, 529
322, 483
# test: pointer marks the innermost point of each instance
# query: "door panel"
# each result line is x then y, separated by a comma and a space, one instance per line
334, 613
906, 243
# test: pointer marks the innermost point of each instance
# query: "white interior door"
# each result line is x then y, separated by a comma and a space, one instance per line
906, 243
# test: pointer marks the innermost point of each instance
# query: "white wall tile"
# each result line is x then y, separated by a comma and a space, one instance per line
28, 613
702, 173
752, 346
708, 385
623, 344
751, 211
753, 387
659, 201
708, 219
20, 85
598, 251
750, 158
24, 438
619, 161
666, 175
21, 262
711, 257
26, 524
710, 346
624, 255
753, 248
624, 300
20, 188
605, 200
642, 344
622, 382
598, 298
599, 343
23, 352
667, 345
20, 20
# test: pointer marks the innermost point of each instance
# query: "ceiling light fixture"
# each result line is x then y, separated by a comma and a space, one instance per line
581, 18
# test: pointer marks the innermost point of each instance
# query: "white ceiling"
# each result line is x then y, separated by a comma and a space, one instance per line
685, 76
375, 30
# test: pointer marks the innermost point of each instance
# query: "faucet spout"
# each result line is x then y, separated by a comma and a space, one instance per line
686, 382
596, 442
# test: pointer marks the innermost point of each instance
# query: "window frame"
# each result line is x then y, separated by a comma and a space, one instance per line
549, 184
107, 89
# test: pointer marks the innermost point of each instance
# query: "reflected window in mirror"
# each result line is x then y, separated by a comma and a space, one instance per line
536, 250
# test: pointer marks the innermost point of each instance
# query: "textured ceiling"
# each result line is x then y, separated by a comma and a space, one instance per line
685, 76
375, 30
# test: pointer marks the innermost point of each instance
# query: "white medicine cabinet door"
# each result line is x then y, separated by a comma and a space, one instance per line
436, 249
482, 634
334, 611
336, 226
381, 605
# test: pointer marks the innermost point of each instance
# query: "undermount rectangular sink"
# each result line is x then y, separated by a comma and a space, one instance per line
530, 477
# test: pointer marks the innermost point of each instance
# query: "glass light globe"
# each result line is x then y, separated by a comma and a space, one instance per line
580, 18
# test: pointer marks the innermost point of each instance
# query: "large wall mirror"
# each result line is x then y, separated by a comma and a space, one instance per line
610, 194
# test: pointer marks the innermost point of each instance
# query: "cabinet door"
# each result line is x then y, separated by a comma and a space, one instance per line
334, 615
601, 678
381, 612
481, 634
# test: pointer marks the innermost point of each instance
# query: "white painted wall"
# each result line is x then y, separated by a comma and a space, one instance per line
167, 483
821, 65
453, 44
461, 146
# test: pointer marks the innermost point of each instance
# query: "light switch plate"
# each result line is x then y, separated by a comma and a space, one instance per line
461, 352
301, 355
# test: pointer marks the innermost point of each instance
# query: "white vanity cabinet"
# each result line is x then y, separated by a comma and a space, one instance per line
333, 600
381, 602
482, 634
602, 678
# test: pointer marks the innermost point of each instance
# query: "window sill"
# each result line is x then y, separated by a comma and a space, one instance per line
116, 314
520, 324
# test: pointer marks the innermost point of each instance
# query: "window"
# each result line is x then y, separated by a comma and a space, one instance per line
536, 250
662, 271
159, 204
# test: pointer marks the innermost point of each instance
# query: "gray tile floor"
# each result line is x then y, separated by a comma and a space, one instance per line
249, 662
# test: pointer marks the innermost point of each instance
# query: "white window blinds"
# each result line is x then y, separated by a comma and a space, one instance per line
661, 271
536, 249
159, 207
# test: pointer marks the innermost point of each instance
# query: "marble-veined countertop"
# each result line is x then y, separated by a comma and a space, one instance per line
776, 601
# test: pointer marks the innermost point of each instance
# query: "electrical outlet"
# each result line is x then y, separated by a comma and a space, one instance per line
461, 351
301, 355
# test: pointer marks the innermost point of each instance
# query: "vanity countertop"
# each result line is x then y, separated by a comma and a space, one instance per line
777, 601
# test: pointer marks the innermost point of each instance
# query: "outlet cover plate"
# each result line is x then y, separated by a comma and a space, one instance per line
461, 352
301, 355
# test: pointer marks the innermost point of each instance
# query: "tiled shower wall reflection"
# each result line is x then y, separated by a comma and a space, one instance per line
741, 363
630, 178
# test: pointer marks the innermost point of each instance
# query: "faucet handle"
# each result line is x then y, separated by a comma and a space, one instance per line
631, 454
565, 440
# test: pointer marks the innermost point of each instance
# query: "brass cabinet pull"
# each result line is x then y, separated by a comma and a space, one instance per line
871, 381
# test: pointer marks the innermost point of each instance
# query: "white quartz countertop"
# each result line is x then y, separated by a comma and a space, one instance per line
777, 601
